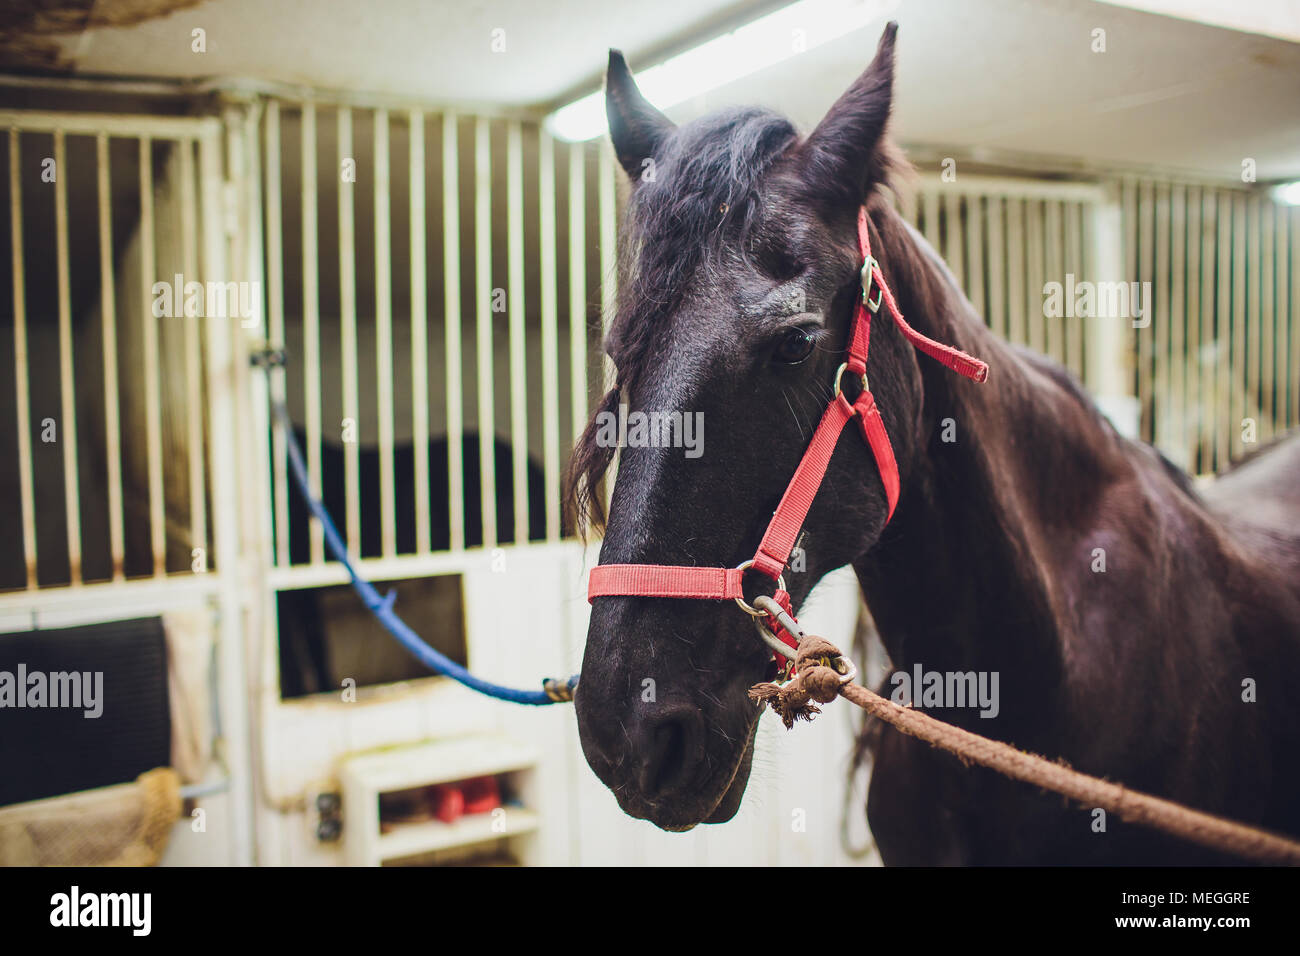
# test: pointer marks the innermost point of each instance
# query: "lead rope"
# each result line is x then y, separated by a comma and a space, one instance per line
819, 677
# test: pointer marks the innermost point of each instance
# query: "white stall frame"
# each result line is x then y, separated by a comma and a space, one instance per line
222, 587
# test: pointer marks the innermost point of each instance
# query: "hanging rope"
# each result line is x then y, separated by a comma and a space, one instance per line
818, 679
554, 691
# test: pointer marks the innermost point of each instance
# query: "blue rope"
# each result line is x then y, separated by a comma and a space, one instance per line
381, 606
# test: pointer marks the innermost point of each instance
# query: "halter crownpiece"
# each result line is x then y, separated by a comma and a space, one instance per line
721, 584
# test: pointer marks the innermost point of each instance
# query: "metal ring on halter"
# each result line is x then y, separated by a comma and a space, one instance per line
769, 606
771, 640
869, 265
753, 611
847, 670
839, 377
784, 617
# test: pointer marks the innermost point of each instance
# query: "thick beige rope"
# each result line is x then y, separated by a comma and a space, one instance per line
815, 681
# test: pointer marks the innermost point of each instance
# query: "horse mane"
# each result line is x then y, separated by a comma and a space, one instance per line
697, 197
1072, 387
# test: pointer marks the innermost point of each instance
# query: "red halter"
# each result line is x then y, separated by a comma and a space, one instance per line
720, 584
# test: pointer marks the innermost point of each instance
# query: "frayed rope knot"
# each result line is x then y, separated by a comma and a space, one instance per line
815, 679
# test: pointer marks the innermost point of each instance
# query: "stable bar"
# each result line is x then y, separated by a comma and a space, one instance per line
1223, 334
1253, 406
108, 321
451, 319
550, 336
92, 124
384, 338
997, 314
311, 321
1294, 349
1237, 375
153, 398
1108, 347
952, 250
254, 397
1009, 187
483, 319
1208, 381
1016, 271
975, 253
1285, 313
1146, 338
1195, 398
1129, 214
351, 423
222, 402
1090, 265
22, 396
193, 357
67, 371
518, 330
275, 308
1161, 414
1267, 399
1035, 314
578, 397
1177, 412
402, 567
930, 215
1054, 254
419, 336
1073, 246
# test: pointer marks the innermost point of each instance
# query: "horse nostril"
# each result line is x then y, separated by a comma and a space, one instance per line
666, 765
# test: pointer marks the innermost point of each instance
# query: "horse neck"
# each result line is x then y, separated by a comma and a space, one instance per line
997, 473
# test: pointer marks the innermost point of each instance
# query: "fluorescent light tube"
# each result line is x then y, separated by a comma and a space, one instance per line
1288, 193
764, 42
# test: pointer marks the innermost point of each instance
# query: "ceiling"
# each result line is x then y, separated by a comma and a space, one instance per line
980, 78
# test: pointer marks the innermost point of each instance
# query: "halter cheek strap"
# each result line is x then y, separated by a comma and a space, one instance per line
721, 584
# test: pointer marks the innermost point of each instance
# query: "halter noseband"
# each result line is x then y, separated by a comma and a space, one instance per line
720, 584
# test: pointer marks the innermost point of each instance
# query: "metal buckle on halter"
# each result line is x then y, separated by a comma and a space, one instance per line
869, 265
839, 379
740, 601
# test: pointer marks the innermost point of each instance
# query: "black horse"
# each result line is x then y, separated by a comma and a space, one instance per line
1175, 670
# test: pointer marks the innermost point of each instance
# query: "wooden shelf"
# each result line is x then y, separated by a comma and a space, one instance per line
409, 839
438, 761
365, 776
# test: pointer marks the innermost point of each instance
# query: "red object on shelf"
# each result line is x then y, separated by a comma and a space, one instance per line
448, 802
482, 795
451, 801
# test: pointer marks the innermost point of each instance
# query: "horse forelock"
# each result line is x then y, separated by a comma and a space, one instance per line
700, 194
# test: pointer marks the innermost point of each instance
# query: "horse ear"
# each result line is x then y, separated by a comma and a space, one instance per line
845, 154
635, 126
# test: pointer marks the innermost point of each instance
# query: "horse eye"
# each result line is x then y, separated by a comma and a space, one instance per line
795, 346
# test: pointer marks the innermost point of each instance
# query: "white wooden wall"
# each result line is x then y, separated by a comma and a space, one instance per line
528, 621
